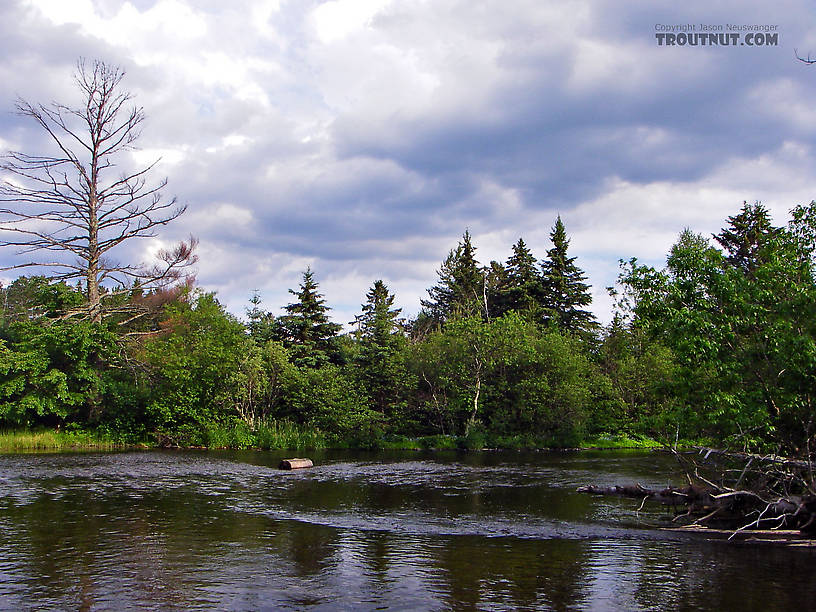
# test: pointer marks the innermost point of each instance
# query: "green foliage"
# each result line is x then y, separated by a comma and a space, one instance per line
524, 288
34, 297
641, 373
200, 368
329, 400
741, 327
305, 329
747, 235
718, 344
288, 435
461, 287
379, 362
230, 435
607, 441
260, 324
55, 373
51, 440
565, 292
508, 375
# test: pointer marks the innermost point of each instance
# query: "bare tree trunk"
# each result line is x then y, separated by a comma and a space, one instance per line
472, 419
94, 306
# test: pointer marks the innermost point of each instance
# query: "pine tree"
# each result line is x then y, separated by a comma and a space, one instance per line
461, 287
565, 291
305, 329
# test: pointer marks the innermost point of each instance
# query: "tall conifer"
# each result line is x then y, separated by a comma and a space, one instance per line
523, 290
305, 328
380, 343
461, 287
746, 235
565, 291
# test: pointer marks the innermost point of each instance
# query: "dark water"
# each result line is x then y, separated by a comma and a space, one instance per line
403, 531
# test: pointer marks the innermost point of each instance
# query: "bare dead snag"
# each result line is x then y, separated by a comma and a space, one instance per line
66, 211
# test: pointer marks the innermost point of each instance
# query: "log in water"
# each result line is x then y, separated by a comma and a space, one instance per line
295, 464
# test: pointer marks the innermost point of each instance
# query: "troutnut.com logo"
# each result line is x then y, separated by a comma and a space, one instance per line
716, 35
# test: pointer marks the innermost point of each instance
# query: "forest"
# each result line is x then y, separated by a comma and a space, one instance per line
716, 347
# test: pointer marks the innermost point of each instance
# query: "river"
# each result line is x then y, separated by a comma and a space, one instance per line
198, 530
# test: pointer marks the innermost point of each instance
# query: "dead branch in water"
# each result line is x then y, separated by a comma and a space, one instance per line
736, 491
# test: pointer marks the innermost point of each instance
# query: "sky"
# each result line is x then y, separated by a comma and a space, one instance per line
361, 138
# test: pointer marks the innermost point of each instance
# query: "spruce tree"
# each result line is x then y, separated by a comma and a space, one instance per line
305, 329
523, 289
746, 235
259, 322
496, 285
461, 287
378, 321
380, 344
565, 291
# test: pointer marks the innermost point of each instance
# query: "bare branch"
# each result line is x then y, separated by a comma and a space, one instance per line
67, 203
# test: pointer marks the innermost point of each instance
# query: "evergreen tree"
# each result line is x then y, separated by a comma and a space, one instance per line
461, 287
378, 322
496, 285
523, 291
746, 235
305, 329
565, 291
259, 322
381, 342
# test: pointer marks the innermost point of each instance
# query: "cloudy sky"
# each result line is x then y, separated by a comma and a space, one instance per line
362, 137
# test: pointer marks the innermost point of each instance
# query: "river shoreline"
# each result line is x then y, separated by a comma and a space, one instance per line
56, 440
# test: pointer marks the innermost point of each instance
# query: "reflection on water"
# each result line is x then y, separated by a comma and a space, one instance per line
203, 530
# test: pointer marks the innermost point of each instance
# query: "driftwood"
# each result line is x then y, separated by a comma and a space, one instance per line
738, 491
738, 510
295, 464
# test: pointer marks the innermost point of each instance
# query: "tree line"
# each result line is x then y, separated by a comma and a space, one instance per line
719, 344
487, 353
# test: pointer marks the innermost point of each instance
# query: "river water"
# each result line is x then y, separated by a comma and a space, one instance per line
364, 531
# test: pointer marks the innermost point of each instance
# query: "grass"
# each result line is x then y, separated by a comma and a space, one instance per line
611, 441
281, 435
286, 435
53, 440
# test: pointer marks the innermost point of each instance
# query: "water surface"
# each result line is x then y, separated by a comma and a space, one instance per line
399, 531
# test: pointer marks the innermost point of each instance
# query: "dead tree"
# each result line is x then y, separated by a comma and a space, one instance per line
736, 491
69, 210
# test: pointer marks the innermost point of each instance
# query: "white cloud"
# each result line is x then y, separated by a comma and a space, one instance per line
338, 19
170, 157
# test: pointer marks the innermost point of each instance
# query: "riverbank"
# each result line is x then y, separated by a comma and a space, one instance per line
55, 440
284, 435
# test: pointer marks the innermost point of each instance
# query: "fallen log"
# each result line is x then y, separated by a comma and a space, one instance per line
295, 464
737, 510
